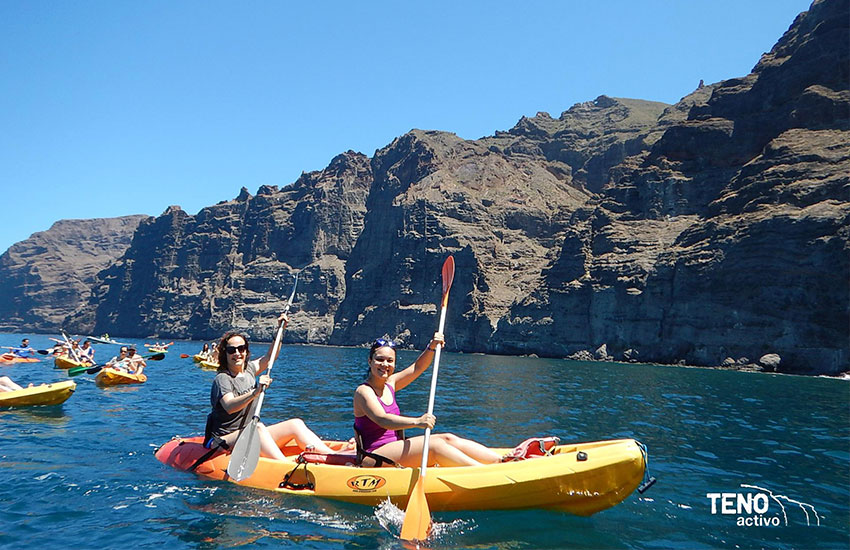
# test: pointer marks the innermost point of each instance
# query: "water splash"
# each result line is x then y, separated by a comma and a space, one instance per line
391, 518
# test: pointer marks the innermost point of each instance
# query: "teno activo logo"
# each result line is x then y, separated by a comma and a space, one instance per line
757, 507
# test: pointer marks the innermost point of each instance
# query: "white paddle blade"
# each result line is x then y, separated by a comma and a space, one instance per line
246, 453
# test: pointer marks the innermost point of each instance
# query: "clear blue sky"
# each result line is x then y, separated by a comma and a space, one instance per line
109, 108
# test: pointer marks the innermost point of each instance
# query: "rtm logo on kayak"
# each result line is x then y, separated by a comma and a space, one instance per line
751, 507
366, 484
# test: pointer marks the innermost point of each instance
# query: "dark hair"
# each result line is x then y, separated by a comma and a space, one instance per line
222, 349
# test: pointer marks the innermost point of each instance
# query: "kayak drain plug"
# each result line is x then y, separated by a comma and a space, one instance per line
581, 456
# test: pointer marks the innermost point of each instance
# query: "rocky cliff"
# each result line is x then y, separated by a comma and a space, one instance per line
729, 237
49, 276
707, 231
232, 264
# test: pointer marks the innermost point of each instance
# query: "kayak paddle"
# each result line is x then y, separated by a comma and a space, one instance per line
417, 517
72, 353
41, 351
246, 452
74, 371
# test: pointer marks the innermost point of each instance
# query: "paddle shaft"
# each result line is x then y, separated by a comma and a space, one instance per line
246, 452
71, 351
14, 350
275, 348
74, 371
433, 388
417, 516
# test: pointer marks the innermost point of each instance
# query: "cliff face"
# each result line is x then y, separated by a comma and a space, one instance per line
730, 236
499, 204
232, 264
713, 228
49, 276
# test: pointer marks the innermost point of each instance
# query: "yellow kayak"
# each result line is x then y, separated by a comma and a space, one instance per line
65, 362
208, 365
198, 358
115, 377
45, 394
581, 478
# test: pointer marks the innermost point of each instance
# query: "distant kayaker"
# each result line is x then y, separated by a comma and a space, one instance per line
25, 351
205, 352
86, 353
377, 415
134, 364
233, 391
119, 361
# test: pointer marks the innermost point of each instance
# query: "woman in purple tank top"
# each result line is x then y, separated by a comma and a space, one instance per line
377, 416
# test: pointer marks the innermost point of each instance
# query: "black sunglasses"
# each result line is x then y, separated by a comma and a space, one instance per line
233, 349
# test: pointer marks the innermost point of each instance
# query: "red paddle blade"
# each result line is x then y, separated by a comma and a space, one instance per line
448, 277
417, 517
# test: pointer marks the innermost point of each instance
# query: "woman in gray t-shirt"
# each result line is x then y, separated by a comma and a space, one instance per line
232, 398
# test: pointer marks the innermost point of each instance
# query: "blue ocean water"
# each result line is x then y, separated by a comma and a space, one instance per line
83, 475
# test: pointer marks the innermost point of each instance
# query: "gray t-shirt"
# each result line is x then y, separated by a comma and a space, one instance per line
220, 422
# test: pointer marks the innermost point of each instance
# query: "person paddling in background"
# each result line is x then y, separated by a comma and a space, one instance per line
233, 395
74, 352
86, 353
25, 351
119, 361
134, 364
377, 416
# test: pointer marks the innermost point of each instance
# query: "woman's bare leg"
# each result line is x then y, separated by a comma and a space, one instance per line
6, 384
470, 448
295, 428
409, 453
268, 444
268, 448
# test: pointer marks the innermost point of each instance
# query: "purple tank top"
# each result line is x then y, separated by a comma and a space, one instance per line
373, 435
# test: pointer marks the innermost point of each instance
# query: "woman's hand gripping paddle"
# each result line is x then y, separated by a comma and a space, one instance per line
246, 452
417, 517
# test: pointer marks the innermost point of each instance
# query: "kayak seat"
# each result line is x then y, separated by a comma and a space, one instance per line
532, 448
369, 459
212, 442
216, 444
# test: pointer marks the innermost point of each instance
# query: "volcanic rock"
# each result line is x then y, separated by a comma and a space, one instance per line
49, 276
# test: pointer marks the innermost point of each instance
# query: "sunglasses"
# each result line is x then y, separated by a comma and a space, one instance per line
233, 349
381, 342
